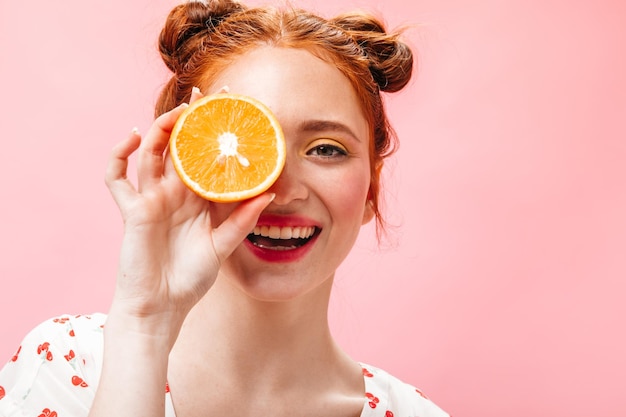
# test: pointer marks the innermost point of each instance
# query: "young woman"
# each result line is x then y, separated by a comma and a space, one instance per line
212, 315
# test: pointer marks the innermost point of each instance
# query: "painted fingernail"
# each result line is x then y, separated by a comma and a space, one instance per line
195, 90
135, 130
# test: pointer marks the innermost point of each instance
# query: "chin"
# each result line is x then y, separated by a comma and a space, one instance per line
279, 284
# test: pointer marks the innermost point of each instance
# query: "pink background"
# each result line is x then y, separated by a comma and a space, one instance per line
501, 291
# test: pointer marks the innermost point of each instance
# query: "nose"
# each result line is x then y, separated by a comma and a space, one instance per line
290, 185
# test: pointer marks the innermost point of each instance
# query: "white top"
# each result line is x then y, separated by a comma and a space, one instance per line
56, 370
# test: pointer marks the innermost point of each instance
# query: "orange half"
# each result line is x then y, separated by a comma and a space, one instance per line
228, 147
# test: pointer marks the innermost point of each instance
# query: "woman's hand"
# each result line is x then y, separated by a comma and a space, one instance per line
170, 254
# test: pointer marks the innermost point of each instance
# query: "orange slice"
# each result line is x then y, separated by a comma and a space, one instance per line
227, 147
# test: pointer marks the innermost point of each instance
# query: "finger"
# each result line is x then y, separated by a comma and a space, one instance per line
195, 94
224, 89
116, 172
228, 235
150, 159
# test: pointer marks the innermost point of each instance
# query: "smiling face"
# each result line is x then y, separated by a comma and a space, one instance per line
321, 195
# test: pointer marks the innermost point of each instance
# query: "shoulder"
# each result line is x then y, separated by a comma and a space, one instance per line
63, 337
69, 328
59, 358
396, 397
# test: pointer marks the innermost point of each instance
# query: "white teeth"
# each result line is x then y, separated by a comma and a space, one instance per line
285, 233
275, 232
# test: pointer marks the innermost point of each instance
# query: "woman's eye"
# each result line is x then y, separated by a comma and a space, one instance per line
327, 151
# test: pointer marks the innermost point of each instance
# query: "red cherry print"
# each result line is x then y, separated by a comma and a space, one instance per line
72, 334
388, 414
70, 355
49, 356
421, 393
167, 387
2, 392
14, 358
46, 412
76, 381
61, 320
373, 401
43, 347
367, 373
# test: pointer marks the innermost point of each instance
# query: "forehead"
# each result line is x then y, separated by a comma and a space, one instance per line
296, 85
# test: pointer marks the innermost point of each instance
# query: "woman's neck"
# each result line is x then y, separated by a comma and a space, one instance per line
231, 334
243, 352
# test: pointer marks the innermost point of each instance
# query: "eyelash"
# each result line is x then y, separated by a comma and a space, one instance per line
337, 151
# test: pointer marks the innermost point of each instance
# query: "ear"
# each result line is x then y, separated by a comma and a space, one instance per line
368, 213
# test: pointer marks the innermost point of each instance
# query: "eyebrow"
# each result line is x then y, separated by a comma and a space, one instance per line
327, 125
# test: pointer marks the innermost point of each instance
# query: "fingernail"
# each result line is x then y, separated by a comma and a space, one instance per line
224, 89
272, 197
135, 130
195, 90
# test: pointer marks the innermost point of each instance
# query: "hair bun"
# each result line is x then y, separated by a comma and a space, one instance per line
391, 60
187, 25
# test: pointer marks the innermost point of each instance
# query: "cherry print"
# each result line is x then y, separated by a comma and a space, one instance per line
76, 381
72, 334
43, 347
167, 387
367, 373
421, 393
373, 400
2, 392
60, 320
14, 358
388, 414
70, 356
46, 412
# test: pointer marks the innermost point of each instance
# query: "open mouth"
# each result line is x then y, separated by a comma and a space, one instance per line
282, 238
